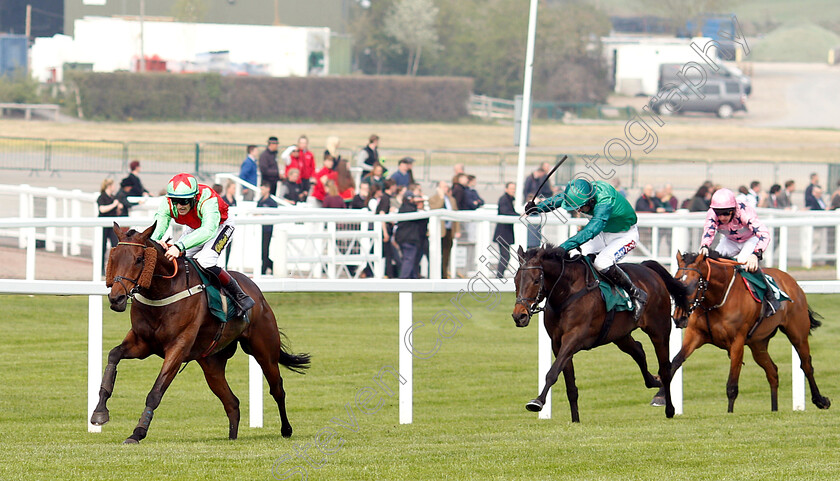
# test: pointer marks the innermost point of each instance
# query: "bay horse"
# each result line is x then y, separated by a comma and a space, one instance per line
722, 312
576, 318
181, 329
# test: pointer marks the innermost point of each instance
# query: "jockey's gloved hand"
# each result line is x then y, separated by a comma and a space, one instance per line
704, 250
531, 208
752, 263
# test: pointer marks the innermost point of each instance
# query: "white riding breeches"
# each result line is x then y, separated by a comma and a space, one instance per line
611, 247
207, 254
739, 250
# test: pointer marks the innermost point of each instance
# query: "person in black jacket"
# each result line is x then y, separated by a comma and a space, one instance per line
503, 235
136, 188
409, 235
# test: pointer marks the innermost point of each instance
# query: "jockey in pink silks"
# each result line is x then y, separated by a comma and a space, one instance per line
744, 236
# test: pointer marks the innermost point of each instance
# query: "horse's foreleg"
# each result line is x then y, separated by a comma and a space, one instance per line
692, 339
214, 374
736, 360
131, 348
171, 362
571, 390
762, 358
564, 355
634, 348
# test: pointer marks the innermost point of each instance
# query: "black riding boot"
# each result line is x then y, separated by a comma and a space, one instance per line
620, 279
770, 305
242, 301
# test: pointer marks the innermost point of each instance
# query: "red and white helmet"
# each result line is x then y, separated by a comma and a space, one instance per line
182, 186
724, 199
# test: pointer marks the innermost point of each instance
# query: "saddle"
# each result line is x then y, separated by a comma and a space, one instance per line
614, 297
218, 303
756, 286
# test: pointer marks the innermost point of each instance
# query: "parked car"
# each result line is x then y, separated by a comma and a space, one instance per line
722, 97
668, 74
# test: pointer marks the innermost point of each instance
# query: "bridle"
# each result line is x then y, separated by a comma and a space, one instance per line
542, 294
136, 281
534, 308
703, 286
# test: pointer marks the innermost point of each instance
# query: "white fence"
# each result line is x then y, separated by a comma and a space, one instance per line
96, 290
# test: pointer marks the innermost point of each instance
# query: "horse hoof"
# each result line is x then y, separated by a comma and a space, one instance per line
535, 406
658, 401
822, 402
99, 418
286, 433
131, 441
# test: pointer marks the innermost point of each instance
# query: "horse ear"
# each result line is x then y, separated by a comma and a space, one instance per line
148, 232
520, 253
118, 230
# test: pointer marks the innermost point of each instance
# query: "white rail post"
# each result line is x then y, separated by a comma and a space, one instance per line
281, 268
332, 269
25, 211
65, 212
76, 232
405, 359
797, 381
837, 251
483, 238
783, 247
544, 362
674, 346
49, 244
806, 236
435, 252
679, 239
30, 252
255, 393
94, 357
654, 243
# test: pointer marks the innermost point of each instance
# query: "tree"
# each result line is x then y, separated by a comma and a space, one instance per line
189, 10
412, 24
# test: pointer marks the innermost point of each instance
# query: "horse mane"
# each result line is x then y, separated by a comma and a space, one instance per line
691, 257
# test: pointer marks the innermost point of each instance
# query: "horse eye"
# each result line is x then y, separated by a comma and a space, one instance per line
139, 260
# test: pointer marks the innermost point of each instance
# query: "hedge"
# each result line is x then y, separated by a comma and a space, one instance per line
159, 96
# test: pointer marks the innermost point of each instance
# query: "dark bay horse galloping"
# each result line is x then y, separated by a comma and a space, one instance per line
576, 317
170, 318
723, 313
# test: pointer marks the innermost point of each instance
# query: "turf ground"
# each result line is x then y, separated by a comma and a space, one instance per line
469, 417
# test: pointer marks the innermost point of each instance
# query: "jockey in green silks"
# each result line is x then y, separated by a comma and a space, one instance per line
610, 234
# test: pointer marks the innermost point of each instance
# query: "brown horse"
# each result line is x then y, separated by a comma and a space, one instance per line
723, 312
576, 317
184, 330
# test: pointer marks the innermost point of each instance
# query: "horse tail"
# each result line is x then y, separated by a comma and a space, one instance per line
815, 318
676, 288
293, 362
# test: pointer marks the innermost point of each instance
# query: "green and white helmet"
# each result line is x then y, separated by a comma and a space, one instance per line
182, 186
578, 193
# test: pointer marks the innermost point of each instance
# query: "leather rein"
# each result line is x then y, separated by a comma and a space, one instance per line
703, 286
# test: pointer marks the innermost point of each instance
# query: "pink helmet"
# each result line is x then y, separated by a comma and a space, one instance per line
724, 199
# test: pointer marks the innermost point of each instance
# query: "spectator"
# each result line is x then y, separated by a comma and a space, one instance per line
136, 188
360, 200
369, 155
333, 144
449, 230
471, 198
301, 158
774, 197
756, 197
459, 191
532, 183
267, 229
404, 175
269, 169
122, 195
667, 199
109, 206
786, 195
811, 198
292, 190
503, 235
248, 172
389, 249
616, 182
345, 183
409, 235
702, 200
835, 198
457, 169
423, 250
743, 196
817, 203
217, 188
332, 200
534, 230
319, 192
375, 177
230, 193
648, 202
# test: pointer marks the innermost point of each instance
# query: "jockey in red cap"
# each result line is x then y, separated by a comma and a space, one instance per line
207, 233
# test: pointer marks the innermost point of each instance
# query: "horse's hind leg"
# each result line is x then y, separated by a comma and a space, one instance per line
800, 343
634, 348
736, 360
269, 362
662, 350
762, 358
214, 373
131, 348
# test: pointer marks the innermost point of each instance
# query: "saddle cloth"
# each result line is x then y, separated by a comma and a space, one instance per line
217, 302
614, 297
757, 287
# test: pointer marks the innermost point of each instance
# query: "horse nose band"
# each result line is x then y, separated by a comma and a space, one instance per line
523, 301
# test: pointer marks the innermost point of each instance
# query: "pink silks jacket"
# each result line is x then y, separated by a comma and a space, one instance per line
744, 225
